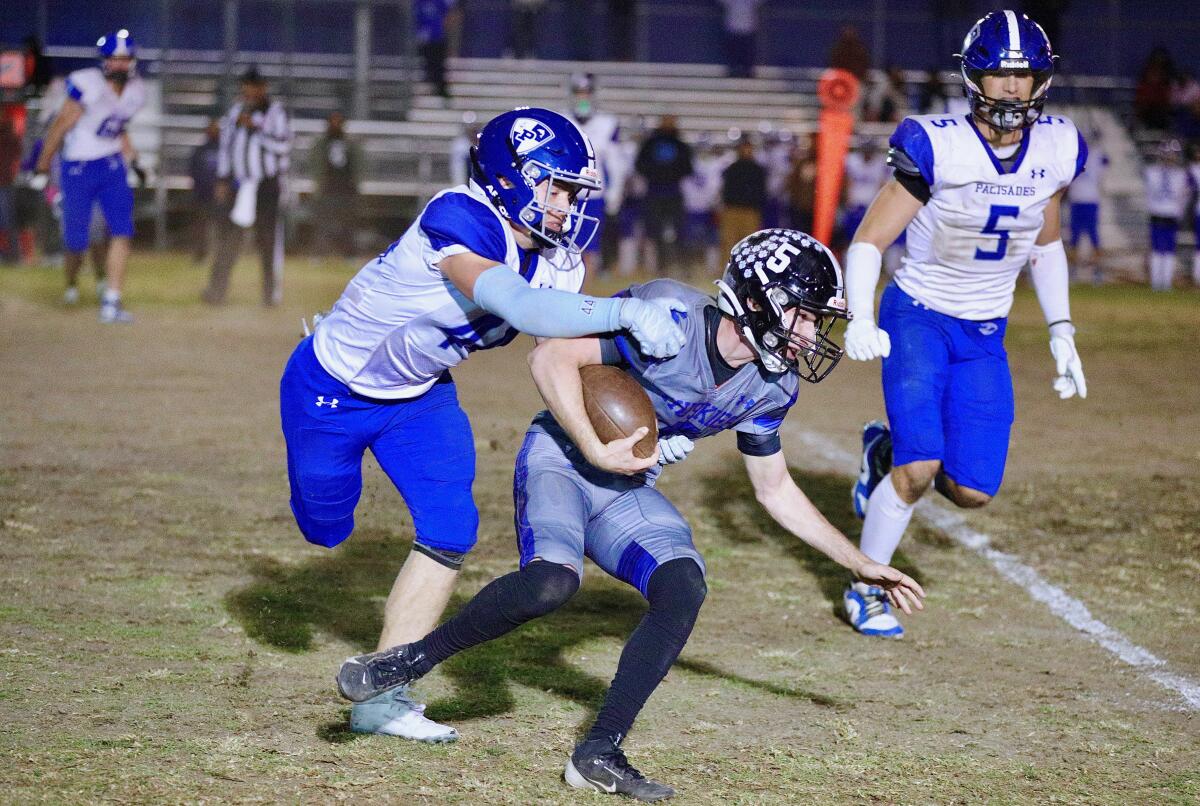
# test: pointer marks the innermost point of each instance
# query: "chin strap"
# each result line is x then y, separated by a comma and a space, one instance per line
728, 302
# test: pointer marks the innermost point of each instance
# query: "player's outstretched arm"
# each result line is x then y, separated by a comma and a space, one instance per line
791, 509
1051, 280
894, 207
67, 117
548, 312
555, 365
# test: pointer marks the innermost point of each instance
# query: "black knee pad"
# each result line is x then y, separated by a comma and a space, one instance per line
545, 587
678, 588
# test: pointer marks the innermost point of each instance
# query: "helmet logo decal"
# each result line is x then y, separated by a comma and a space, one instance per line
782, 257
528, 134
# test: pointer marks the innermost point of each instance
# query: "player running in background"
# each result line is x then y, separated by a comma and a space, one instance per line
1167, 193
1085, 195
744, 357
481, 264
980, 197
90, 129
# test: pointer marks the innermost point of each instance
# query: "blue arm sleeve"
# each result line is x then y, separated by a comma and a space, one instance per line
913, 141
544, 312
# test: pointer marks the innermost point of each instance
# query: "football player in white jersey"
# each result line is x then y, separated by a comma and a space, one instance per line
90, 129
603, 131
980, 196
482, 263
1084, 195
1167, 193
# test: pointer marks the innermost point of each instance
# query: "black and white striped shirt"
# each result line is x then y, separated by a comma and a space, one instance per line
258, 153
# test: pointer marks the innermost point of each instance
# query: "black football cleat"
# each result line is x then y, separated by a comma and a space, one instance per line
600, 765
365, 676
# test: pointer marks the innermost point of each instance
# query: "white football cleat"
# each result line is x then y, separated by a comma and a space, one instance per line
113, 313
868, 611
71, 295
394, 713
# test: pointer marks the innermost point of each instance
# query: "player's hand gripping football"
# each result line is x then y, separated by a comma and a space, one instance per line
618, 456
1068, 369
865, 341
902, 590
652, 324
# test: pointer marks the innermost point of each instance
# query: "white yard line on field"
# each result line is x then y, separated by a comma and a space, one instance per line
1062, 604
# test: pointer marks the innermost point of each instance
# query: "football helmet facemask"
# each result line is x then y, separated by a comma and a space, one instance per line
772, 272
516, 160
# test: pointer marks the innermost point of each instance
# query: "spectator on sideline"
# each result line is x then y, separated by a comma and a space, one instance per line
802, 185
1152, 98
337, 163
850, 54
10, 158
256, 141
741, 27
524, 27
664, 160
743, 197
429, 23
202, 167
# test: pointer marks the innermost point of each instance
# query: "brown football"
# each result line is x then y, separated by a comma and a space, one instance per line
617, 406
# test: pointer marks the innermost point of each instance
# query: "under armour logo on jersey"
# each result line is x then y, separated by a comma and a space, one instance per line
988, 328
528, 134
321, 401
1038, 173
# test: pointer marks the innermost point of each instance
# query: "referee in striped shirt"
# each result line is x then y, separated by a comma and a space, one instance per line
256, 140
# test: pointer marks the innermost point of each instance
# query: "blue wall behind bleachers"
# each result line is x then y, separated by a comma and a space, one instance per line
917, 34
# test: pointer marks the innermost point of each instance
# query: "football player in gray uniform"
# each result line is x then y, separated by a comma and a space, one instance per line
740, 368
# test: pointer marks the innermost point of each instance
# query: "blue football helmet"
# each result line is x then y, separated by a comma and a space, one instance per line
117, 43
518, 157
1003, 42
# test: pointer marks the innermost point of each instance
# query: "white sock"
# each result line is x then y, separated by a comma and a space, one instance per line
1156, 271
111, 297
1168, 271
1196, 267
887, 518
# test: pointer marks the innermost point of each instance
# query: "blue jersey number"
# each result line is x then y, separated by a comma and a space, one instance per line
997, 212
111, 126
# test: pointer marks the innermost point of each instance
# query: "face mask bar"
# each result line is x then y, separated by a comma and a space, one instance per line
819, 354
1008, 115
578, 229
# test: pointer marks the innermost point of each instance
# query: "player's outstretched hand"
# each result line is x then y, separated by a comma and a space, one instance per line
674, 448
865, 341
902, 590
1069, 380
618, 457
652, 324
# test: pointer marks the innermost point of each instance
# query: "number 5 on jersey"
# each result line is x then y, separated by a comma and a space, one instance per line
997, 212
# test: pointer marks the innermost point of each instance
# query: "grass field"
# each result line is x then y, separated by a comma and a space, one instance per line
166, 635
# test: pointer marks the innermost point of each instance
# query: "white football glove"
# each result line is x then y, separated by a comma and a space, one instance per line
38, 181
651, 323
865, 341
674, 449
1068, 369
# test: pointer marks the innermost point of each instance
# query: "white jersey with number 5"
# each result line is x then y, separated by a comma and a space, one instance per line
97, 134
970, 241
